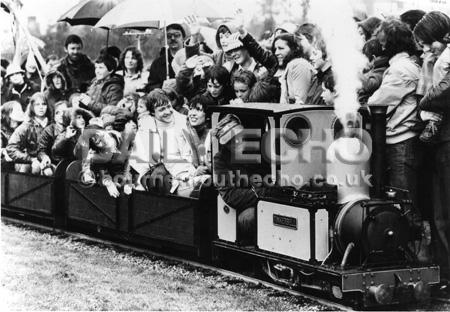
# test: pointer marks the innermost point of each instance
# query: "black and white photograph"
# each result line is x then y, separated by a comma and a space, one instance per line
225, 155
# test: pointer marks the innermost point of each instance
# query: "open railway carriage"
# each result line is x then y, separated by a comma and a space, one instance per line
33, 197
335, 238
168, 223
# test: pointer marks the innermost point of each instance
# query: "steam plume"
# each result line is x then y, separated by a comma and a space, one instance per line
344, 45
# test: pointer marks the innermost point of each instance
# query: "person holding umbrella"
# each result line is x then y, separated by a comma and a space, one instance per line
158, 72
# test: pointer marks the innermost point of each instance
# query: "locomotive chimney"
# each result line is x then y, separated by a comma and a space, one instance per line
378, 132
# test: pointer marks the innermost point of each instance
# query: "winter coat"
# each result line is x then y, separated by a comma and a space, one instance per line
295, 80
46, 141
372, 79
189, 86
108, 91
231, 189
146, 122
158, 71
437, 99
53, 95
23, 143
398, 90
224, 99
264, 57
256, 68
64, 148
6, 133
77, 75
315, 91
135, 83
176, 151
21, 95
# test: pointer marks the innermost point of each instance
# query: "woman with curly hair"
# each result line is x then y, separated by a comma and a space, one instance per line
132, 63
286, 62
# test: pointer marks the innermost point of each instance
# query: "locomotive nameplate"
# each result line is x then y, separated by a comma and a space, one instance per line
284, 221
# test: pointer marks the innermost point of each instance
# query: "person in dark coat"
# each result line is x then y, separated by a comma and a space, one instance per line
218, 89
22, 146
76, 67
12, 117
56, 88
106, 89
432, 29
49, 135
322, 64
65, 142
17, 87
158, 70
233, 178
373, 74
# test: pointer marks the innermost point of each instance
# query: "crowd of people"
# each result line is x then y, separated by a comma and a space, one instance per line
120, 118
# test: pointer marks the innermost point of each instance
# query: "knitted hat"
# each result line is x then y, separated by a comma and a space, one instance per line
227, 128
231, 43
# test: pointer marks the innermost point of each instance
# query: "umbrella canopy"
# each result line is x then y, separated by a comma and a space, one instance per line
88, 12
150, 13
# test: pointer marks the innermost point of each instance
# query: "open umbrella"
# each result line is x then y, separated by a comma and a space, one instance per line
88, 12
157, 13
149, 13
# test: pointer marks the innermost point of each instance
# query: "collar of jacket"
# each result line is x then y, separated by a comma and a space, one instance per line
132, 76
82, 61
398, 56
25, 87
162, 53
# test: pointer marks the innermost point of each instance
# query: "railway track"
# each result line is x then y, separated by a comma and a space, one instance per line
231, 274
251, 280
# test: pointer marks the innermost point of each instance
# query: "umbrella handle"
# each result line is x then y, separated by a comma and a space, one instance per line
167, 50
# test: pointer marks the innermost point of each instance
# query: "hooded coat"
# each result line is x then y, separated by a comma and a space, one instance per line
52, 94
23, 143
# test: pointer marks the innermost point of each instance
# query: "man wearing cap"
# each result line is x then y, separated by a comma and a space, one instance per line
158, 71
233, 178
234, 48
18, 88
